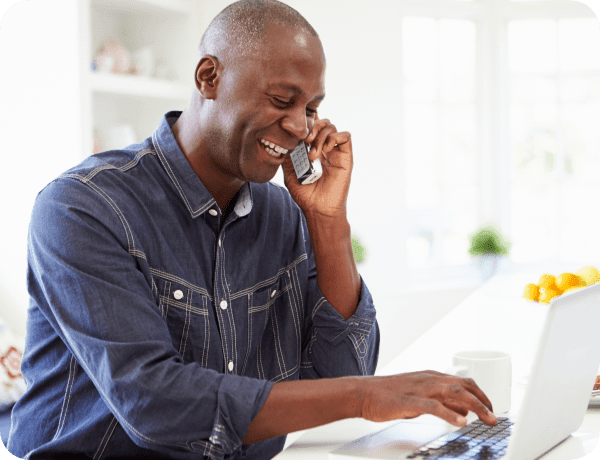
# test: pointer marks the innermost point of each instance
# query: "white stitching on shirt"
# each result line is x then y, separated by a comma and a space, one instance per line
112, 204
155, 290
299, 311
113, 424
295, 269
360, 354
294, 310
168, 297
259, 363
185, 306
109, 437
172, 176
320, 302
223, 331
248, 347
136, 253
286, 374
256, 309
186, 325
204, 361
269, 281
176, 279
67, 397
123, 168
128, 232
278, 347
229, 310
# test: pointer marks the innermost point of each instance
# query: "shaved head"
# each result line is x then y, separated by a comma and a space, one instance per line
237, 32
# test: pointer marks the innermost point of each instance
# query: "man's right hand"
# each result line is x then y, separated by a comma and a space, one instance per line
405, 396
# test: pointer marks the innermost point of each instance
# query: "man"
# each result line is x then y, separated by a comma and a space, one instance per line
184, 307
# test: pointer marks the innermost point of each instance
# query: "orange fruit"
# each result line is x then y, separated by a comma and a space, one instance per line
571, 289
565, 281
547, 282
582, 282
547, 295
590, 275
532, 292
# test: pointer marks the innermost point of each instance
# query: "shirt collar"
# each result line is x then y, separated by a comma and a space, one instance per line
193, 193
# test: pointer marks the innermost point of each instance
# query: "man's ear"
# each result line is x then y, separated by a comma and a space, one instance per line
208, 76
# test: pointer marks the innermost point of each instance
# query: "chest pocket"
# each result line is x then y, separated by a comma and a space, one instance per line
274, 331
185, 311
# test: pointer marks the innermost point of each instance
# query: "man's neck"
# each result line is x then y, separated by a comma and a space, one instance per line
222, 187
229, 206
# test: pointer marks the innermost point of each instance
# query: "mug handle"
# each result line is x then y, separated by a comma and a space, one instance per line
459, 371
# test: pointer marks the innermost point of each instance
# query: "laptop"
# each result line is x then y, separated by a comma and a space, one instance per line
555, 401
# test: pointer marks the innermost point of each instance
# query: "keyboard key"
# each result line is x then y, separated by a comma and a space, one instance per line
475, 441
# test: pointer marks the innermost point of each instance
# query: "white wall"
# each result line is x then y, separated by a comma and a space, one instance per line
38, 89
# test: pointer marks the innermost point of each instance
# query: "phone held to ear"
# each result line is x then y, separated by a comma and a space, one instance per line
306, 171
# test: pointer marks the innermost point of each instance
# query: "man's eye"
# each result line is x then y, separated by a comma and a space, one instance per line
311, 111
280, 103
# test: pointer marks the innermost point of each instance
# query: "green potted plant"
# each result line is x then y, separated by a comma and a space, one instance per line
358, 250
488, 245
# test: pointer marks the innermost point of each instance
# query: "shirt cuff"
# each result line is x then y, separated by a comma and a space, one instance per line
238, 402
332, 325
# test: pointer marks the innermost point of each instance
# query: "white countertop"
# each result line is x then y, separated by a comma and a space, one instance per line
494, 317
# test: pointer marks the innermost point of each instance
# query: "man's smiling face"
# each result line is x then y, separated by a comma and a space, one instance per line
267, 104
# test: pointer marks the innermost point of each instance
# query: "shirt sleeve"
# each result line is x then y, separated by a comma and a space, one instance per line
333, 346
85, 277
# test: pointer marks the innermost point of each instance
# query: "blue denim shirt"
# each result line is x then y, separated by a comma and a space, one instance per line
154, 326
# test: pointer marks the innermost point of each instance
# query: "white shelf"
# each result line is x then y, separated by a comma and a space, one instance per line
180, 7
130, 85
170, 29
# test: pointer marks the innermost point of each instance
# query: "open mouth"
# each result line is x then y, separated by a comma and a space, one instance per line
273, 149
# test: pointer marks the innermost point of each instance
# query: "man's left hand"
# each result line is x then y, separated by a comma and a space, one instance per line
328, 195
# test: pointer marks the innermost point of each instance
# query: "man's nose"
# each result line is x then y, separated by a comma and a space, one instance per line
296, 123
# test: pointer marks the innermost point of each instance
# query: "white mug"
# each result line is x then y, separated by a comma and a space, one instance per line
492, 372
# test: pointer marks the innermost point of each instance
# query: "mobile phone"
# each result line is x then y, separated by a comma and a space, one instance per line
306, 172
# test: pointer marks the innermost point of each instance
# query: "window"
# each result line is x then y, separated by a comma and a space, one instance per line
501, 103
440, 138
555, 142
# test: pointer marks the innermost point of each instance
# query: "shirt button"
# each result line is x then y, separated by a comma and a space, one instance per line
273, 293
223, 305
213, 212
230, 366
219, 242
178, 294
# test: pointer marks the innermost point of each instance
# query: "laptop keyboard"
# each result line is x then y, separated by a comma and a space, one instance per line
475, 441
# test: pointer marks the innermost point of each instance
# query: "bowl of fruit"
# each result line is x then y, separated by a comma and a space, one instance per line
550, 286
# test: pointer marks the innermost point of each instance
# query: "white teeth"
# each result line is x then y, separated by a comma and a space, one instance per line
273, 149
273, 153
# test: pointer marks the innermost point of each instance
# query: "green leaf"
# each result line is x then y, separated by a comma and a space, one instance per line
358, 251
488, 240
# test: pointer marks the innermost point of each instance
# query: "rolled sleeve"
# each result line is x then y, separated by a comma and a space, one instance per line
339, 347
232, 417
